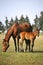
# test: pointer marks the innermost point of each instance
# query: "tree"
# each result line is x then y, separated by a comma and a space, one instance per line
33, 27
22, 19
2, 29
41, 13
16, 19
11, 22
6, 23
36, 21
41, 20
27, 19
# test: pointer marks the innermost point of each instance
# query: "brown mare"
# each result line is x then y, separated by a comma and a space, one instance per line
28, 36
13, 31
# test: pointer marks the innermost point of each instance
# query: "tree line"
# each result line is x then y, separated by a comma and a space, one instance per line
38, 22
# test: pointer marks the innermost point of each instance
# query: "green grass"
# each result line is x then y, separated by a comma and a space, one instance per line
22, 58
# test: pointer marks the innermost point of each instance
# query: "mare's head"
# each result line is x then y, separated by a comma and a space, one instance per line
5, 45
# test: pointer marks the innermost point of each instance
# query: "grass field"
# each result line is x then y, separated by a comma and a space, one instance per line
22, 58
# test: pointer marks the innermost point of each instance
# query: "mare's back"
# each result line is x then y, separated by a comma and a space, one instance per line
25, 27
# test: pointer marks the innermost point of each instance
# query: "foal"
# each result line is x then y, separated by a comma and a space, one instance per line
28, 36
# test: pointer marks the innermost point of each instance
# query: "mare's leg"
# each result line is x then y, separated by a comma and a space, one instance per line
32, 45
14, 38
27, 44
15, 44
26, 48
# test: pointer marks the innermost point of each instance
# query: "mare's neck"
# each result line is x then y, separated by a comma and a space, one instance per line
7, 37
8, 34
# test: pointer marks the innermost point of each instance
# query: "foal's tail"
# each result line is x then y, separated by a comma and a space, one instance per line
19, 36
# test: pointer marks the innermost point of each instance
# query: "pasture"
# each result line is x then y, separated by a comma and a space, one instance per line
22, 58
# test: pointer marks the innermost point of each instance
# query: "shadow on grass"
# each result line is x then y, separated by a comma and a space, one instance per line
37, 51
32, 52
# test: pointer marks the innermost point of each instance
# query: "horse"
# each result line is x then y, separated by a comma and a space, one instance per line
28, 36
13, 31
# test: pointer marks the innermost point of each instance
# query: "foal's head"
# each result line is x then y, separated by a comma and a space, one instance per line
5, 45
37, 32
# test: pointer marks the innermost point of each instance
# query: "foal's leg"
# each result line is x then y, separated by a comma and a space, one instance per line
21, 45
17, 43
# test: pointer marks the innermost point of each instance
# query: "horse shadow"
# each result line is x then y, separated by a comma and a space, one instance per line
31, 52
38, 51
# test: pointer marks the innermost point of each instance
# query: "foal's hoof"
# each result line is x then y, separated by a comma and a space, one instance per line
25, 50
15, 50
31, 50
22, 50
